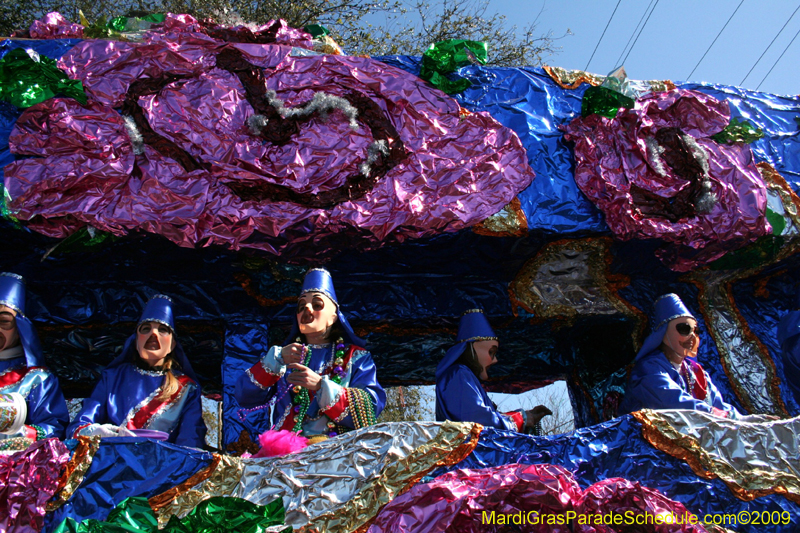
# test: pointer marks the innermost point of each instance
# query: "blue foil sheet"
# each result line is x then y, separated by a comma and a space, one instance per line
124, 467
763, 311
774, 114
245, 343
617, 449
529, 102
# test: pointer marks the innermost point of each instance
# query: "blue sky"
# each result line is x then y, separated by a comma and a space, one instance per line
674, 39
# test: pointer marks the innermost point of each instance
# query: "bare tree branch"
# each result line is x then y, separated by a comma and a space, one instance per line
406, 27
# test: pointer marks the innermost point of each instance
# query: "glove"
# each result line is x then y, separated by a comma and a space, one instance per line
104, 431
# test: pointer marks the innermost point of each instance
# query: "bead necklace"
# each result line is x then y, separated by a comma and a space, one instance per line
302, 399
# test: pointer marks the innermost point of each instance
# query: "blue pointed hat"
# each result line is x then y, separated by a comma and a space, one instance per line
667, 307
473, 327
12, 294
320, 280
158, 309
12, 291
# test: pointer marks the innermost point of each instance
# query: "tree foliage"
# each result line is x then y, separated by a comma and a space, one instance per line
379, 27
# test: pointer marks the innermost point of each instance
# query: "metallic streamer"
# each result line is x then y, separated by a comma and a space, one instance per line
165, 498
222, 481
74, 471
508, 222
745, 359
753, 458
335, 485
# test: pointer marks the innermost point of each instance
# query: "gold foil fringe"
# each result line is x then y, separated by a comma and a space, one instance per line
447, 448
746, 486
74, 471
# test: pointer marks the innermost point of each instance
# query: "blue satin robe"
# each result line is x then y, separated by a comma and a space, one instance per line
655, 384
46, 405
789, 340
361, 374
122, 390
461, 397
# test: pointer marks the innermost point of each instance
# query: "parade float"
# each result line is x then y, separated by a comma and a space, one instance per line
215, 165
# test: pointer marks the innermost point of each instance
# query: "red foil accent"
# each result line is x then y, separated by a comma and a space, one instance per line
518, 419
15, 375
264, 378
143, 416
338, 408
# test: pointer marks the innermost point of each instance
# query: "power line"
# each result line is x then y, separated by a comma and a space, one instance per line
640, 32
632, 34
776, 61
715, 40
604, 33
767, 48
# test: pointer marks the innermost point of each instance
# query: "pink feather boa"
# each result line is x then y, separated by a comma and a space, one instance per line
277, 443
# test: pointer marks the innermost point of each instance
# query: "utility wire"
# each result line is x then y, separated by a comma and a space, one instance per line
640, 32
767, 48
604, 33
776, 61
715, 40
632, 34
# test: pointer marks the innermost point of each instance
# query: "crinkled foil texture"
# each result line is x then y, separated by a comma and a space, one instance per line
456, 170
336, 485
463, 501
27, 480
753, 459
612, 160
618, 449
55, 26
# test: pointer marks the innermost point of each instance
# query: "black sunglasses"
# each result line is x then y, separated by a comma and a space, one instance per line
685, 329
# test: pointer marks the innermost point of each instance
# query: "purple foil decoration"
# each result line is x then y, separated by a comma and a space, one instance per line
275, 31
646, 169
28, 479
55, 26
442, 170
530, 497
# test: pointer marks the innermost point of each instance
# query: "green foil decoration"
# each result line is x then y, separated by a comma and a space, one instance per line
738, 132
604, 101
81, 240
215, 515
317, 30
445, 57
124, 24
98, 30
763, 251
5, 212
27, 79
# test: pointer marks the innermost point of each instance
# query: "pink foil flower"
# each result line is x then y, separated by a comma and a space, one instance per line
28, 479
212, 178
55, 26
655, 172
539, 498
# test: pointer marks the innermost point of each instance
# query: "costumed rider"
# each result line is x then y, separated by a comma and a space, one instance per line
32, 406
459, 393
666, 374
789, 341
150, 386
322, 381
